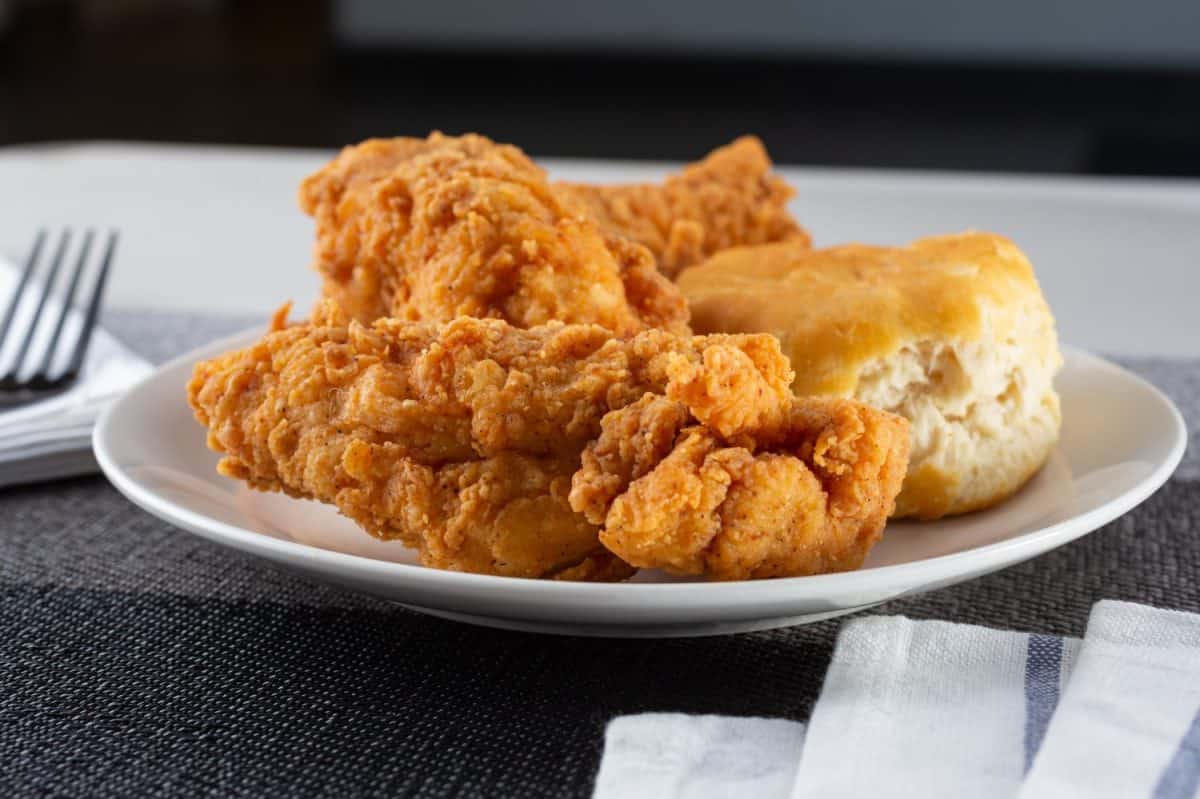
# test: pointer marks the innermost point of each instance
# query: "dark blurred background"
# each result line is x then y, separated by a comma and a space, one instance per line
1067, 86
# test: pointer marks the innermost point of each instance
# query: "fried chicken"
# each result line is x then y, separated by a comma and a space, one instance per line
459, 439
808, 494
431, 229
729, 199
462, 440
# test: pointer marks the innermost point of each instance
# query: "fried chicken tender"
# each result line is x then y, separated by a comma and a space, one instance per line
460, 439
431, 229
729, 199
496, 449
807, 493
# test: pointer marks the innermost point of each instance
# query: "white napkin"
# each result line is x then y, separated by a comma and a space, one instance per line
660, 755
53, 437
934, 709
1129, 722
931, 708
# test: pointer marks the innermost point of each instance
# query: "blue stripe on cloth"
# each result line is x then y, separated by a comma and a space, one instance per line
1043, 661
1181, 777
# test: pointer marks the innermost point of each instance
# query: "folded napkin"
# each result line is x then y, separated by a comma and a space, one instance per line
932, 709
52, 438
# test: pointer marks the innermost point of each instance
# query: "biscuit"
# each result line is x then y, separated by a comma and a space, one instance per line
951, 332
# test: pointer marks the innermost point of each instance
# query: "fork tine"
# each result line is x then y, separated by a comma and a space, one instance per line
47, 285
93, 311
68, 298
15, 302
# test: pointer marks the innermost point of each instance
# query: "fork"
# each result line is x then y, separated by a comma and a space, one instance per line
17, 390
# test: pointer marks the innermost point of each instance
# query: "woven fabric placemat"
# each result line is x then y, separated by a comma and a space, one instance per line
138, 660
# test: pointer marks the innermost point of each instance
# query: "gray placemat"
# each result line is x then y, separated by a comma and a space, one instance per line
136, 659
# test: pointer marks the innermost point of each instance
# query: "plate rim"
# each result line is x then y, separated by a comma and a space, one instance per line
743, 592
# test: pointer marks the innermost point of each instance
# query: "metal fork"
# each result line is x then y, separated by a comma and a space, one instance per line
16, 390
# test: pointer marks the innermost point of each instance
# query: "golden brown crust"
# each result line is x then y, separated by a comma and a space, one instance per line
462, 439
459, 439
730, 199
450, 226
807, 496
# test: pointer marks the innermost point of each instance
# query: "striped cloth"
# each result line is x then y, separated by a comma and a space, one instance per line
933, 709
137, 660
1129, 722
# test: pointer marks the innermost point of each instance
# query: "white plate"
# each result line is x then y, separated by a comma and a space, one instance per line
1121, 440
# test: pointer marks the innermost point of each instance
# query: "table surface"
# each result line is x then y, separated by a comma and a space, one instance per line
217, 229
